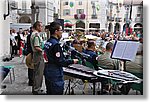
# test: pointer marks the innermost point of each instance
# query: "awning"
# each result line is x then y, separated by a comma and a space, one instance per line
68, 28
138, 27
79, 28
92, 29
67, 21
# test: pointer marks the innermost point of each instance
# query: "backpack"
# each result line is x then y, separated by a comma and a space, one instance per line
28, 48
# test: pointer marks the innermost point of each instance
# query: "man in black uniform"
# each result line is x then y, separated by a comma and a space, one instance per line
53, 70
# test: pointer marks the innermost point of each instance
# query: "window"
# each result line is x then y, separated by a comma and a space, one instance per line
65, 3
54, 10
139, 8
111, 6
80, 11
66, 12
138, 15
80, 2
24, 6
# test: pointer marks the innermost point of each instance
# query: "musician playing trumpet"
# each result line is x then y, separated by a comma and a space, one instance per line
91, 50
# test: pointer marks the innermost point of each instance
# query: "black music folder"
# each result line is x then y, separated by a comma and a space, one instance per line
125, 50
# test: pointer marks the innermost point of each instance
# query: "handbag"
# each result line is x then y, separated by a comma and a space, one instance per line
29, 61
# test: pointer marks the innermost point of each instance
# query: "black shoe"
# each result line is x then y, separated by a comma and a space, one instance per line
116, 93
105, 92
3, 86
40, 92
30, 84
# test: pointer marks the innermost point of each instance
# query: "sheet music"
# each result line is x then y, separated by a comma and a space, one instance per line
119, 49
130, 51
125, 50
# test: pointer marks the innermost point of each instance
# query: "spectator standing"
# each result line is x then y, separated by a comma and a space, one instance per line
13, 44
38, 60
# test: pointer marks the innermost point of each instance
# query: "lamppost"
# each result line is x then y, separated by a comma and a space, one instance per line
33, 12
37, 12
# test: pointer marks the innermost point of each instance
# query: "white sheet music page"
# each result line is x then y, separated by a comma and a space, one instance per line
125, 50
118, 50
131, 50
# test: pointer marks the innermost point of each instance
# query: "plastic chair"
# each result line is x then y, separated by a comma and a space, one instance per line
3, 72
13, 72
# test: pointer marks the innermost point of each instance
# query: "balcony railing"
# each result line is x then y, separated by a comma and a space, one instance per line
24, 11
126, 20
94, 16
109, 18
118, 19
79, 16
138, 19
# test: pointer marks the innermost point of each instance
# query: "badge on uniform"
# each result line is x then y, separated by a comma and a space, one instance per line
58, 54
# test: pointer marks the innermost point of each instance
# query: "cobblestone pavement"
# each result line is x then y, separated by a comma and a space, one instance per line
20, 85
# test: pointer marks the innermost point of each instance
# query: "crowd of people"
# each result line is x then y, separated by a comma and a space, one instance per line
36, 42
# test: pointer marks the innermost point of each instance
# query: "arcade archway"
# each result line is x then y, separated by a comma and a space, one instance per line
117, 28
110, 27
138, 27
24, 19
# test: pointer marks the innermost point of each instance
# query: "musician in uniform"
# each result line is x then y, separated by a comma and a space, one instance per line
56, 60
91, 51
106, 62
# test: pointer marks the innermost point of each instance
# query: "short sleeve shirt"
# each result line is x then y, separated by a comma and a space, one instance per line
36, 41
105, 61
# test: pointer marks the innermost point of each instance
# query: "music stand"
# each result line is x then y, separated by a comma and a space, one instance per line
125, 51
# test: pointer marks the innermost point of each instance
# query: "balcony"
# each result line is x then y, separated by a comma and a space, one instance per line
138, 19
79, 16
24, 11
109, 18
126, 20
117, 19
94, 16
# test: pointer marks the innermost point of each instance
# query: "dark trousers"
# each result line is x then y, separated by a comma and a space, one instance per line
125, 88
30, 76
14, 50
54, 87
54, 79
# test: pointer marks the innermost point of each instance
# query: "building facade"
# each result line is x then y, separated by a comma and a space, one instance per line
84, 14
125, 14
29, 11
108, 15
4, 31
